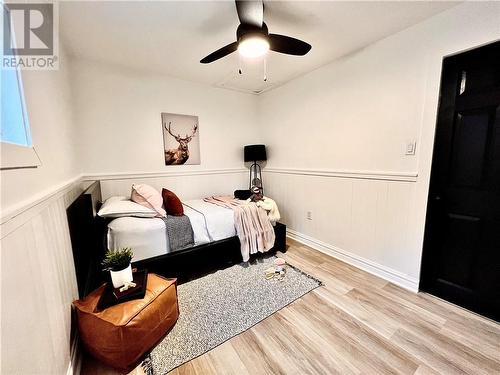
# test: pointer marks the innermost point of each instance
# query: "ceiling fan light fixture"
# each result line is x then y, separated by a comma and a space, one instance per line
253, 39
253, 46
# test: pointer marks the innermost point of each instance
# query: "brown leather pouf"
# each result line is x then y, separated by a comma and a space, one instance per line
120, 335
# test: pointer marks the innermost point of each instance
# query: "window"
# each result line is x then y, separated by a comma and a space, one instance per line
16, 147
15, 125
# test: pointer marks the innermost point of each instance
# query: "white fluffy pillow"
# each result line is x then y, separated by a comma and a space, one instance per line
122, 206
148, 196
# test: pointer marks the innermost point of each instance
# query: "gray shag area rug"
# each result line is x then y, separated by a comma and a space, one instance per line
221, 305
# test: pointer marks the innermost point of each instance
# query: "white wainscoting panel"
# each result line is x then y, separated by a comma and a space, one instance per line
38, 284
186, 184
362, 220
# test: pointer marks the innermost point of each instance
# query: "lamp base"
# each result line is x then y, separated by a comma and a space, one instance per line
256, 177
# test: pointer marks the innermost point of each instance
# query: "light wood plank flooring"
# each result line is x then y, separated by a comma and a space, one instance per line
355, 324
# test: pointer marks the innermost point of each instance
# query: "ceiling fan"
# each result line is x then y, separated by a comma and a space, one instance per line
253, 38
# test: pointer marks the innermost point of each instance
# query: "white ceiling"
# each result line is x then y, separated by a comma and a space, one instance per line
171, 37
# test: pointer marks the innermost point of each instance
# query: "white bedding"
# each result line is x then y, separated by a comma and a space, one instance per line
219, 220
148, 236
145, 236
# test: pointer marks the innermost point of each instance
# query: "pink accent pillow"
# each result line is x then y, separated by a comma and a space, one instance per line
148, 196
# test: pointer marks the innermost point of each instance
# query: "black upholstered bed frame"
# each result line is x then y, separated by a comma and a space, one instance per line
89, 242
83, 229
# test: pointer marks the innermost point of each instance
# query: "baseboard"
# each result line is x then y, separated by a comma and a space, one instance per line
376, 269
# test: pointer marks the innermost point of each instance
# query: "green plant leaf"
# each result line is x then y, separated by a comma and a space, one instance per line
116, 260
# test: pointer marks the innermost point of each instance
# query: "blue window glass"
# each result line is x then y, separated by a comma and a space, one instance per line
15, 126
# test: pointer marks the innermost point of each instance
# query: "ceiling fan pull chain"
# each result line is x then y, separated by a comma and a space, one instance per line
239, 64
265, 68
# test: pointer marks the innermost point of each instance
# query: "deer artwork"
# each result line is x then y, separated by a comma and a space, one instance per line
181, 154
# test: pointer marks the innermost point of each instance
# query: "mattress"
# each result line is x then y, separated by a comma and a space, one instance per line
148, 236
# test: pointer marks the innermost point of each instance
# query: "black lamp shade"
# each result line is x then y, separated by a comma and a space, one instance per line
255, 153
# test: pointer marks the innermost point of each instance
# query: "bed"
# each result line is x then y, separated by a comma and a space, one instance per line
148, 236
215, 247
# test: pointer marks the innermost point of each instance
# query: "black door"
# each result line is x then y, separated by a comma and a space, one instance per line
461, 257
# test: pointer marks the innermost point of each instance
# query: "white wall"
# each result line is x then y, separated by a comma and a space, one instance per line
49, 105
38, 280
337, 135
117, 111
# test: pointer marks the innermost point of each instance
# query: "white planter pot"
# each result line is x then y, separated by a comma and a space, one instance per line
119, 278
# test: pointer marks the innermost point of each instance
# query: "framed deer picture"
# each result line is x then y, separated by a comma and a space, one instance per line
181, 139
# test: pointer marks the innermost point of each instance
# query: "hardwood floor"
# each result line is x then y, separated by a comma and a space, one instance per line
355, 324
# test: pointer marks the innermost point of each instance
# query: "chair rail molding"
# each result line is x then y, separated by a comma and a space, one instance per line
365, 175
36, 203
140, 175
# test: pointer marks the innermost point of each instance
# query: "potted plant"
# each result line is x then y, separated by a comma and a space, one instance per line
117, 262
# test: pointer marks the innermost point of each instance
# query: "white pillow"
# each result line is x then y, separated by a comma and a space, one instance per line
122, 206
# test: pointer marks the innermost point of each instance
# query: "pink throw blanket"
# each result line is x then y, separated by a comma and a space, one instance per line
253, 227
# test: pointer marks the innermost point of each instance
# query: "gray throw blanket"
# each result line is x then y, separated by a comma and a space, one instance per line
179, 232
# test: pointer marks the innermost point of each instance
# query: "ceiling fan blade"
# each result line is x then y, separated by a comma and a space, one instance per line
250, 12
288, 45
220, 53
